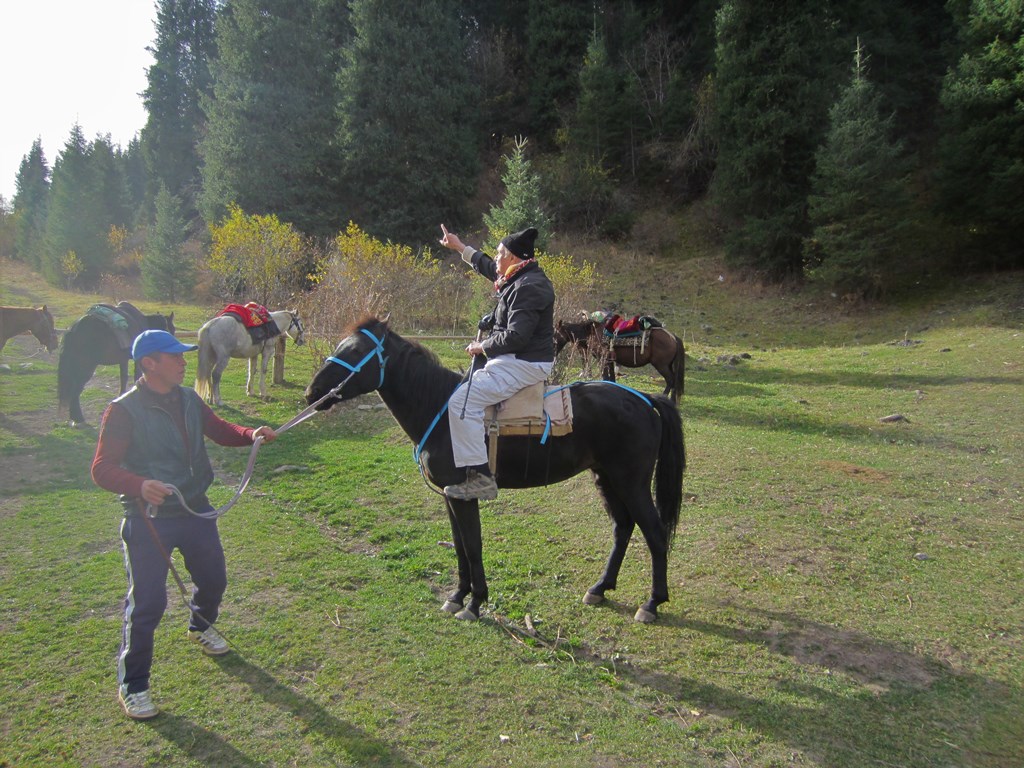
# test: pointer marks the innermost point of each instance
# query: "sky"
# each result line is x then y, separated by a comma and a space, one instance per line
68, 61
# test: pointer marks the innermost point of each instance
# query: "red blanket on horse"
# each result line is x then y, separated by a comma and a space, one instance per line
252, 315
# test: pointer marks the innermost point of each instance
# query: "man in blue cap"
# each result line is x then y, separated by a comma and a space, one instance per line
151, 439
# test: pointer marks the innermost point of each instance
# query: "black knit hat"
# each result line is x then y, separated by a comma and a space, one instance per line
521, 243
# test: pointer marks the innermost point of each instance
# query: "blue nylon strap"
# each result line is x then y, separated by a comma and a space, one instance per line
378, 351
547, 427
419, 448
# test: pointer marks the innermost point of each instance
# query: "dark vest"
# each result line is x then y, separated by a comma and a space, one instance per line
157, 451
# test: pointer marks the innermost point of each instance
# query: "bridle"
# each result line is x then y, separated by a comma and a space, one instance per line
296, 324
378, 350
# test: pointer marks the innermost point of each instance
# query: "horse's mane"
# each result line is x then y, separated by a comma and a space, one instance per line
422, 369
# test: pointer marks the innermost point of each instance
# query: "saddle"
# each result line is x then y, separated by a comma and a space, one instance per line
629, 332
256, 319
124, 320
536, 410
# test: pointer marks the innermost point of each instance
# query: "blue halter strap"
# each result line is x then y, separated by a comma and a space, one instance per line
378, 351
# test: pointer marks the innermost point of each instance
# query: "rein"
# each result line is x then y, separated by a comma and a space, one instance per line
306, 413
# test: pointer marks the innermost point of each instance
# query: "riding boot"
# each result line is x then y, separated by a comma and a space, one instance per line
479, 484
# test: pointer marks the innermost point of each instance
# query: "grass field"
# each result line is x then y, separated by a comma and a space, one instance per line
846, 591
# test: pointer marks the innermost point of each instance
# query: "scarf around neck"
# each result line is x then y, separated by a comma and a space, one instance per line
512, 272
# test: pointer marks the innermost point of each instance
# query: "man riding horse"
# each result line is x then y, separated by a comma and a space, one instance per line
520, 351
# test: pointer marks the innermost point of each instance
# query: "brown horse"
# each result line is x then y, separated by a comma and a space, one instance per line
662, 349
39, 322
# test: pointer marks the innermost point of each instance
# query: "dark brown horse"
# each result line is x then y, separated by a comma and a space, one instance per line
91, 341
662, 349
39, 322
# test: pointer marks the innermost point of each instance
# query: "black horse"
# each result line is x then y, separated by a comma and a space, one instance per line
625, 439
91, 341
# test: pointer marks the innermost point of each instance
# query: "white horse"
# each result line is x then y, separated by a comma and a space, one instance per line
224, 337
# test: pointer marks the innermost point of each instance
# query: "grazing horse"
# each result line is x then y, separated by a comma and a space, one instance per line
39, 322
224, 337
624, 438
91, 341
663, 350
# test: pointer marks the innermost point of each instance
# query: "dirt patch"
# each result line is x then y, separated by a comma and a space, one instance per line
867, 474
875, 664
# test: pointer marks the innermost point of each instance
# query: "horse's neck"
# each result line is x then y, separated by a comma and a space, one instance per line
413, 405
282, 319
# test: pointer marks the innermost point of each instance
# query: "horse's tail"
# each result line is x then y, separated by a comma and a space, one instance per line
204, 368
668, 475
678, 370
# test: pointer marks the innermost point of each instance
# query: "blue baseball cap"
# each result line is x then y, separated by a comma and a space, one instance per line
149, 342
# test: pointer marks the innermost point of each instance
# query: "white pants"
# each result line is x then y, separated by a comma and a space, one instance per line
501, 378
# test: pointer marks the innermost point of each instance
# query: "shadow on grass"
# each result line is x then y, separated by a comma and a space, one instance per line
198, 743
342, 737
922, 700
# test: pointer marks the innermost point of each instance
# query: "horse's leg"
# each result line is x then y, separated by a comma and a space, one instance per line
266, 356
455, 602
645, 514
467, 518
124, 376
665, 369
75, 393
251, 380
608, 365
621, 533
215, 374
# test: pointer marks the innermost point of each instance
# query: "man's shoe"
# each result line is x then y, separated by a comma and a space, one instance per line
138, 706
210, 641
475, 486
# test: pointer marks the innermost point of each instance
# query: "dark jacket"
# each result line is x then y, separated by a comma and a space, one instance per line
524, 319
158, 451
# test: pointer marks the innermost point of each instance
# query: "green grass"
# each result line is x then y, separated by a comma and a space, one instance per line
845, 592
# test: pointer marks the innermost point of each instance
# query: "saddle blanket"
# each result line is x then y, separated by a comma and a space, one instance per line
538, 410
532, 411
251, 315
256, 319
124, 320
614, 325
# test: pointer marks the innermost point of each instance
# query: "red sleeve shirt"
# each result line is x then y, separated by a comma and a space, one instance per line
115, 438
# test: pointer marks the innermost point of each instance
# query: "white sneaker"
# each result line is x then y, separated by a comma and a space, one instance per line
138, 706
210, 640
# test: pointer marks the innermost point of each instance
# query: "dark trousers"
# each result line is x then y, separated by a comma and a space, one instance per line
199, 543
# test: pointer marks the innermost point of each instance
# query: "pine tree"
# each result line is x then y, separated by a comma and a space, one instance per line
601, 125
521, 206
77, 221
178, 81
407, 118
773, 93
31, 203
556, 39
982, 150
167, 272
270, 145
858, 205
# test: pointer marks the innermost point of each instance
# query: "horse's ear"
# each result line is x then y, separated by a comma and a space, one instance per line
584, 314
43, 308
385, 319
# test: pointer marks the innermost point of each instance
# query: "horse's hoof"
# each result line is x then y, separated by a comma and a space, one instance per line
592, 598
451, 606
466, 615
644, 616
